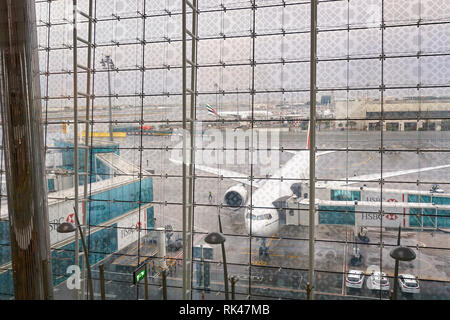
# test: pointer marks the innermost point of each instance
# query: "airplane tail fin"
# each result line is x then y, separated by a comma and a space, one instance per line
211, 110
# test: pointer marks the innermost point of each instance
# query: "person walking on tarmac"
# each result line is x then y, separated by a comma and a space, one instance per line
210, 197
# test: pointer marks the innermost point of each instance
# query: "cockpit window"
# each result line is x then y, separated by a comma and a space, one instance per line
248, 216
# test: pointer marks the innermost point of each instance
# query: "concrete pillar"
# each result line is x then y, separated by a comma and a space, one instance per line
20, 104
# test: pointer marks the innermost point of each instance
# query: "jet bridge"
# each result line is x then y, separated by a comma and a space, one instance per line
421, 216
119, 165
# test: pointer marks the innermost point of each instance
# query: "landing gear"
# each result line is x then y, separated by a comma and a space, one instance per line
263, 249
357, 258
362, 235
364, 239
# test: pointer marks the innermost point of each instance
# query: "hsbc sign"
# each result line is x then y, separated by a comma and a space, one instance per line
372, 196
370, 216
129, 228
71, 218
391, 216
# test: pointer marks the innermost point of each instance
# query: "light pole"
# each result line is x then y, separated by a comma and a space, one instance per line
233, 286
109, 64
400, 254
67, 227
237, 102
216, 86
218, 238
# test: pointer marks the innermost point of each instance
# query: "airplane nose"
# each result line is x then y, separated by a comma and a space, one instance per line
259, 229
263, 227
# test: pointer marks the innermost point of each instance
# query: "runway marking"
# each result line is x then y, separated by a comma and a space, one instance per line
421, 259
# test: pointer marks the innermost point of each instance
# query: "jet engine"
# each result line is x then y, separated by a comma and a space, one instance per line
296, 189
236, 196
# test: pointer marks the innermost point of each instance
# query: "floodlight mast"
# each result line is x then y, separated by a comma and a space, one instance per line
108, 63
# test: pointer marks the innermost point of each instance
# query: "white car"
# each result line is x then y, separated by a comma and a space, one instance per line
354, 279
378, 281
408, 283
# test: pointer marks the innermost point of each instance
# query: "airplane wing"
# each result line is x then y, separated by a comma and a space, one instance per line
297, 167
323, 153
292, 170
226, 174
377, 176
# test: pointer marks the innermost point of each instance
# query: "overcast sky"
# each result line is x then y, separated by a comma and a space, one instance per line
363, 46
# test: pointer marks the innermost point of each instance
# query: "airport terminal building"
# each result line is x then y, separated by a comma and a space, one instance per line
399, 114
219, 150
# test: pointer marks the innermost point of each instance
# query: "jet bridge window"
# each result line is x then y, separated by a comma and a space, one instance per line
345, 195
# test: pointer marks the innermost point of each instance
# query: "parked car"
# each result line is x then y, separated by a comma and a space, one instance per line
408, 283
354, 279
378, 281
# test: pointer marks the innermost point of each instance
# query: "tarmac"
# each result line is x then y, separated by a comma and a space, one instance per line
283, 274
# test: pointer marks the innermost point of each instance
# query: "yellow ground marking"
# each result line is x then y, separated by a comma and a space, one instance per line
171, 261
272, 255
270, 240
421, 244
129, 252
104, 134
286, 245
122, 256
254, 254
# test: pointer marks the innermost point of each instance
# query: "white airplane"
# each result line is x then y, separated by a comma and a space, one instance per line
238, 115
263, 221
